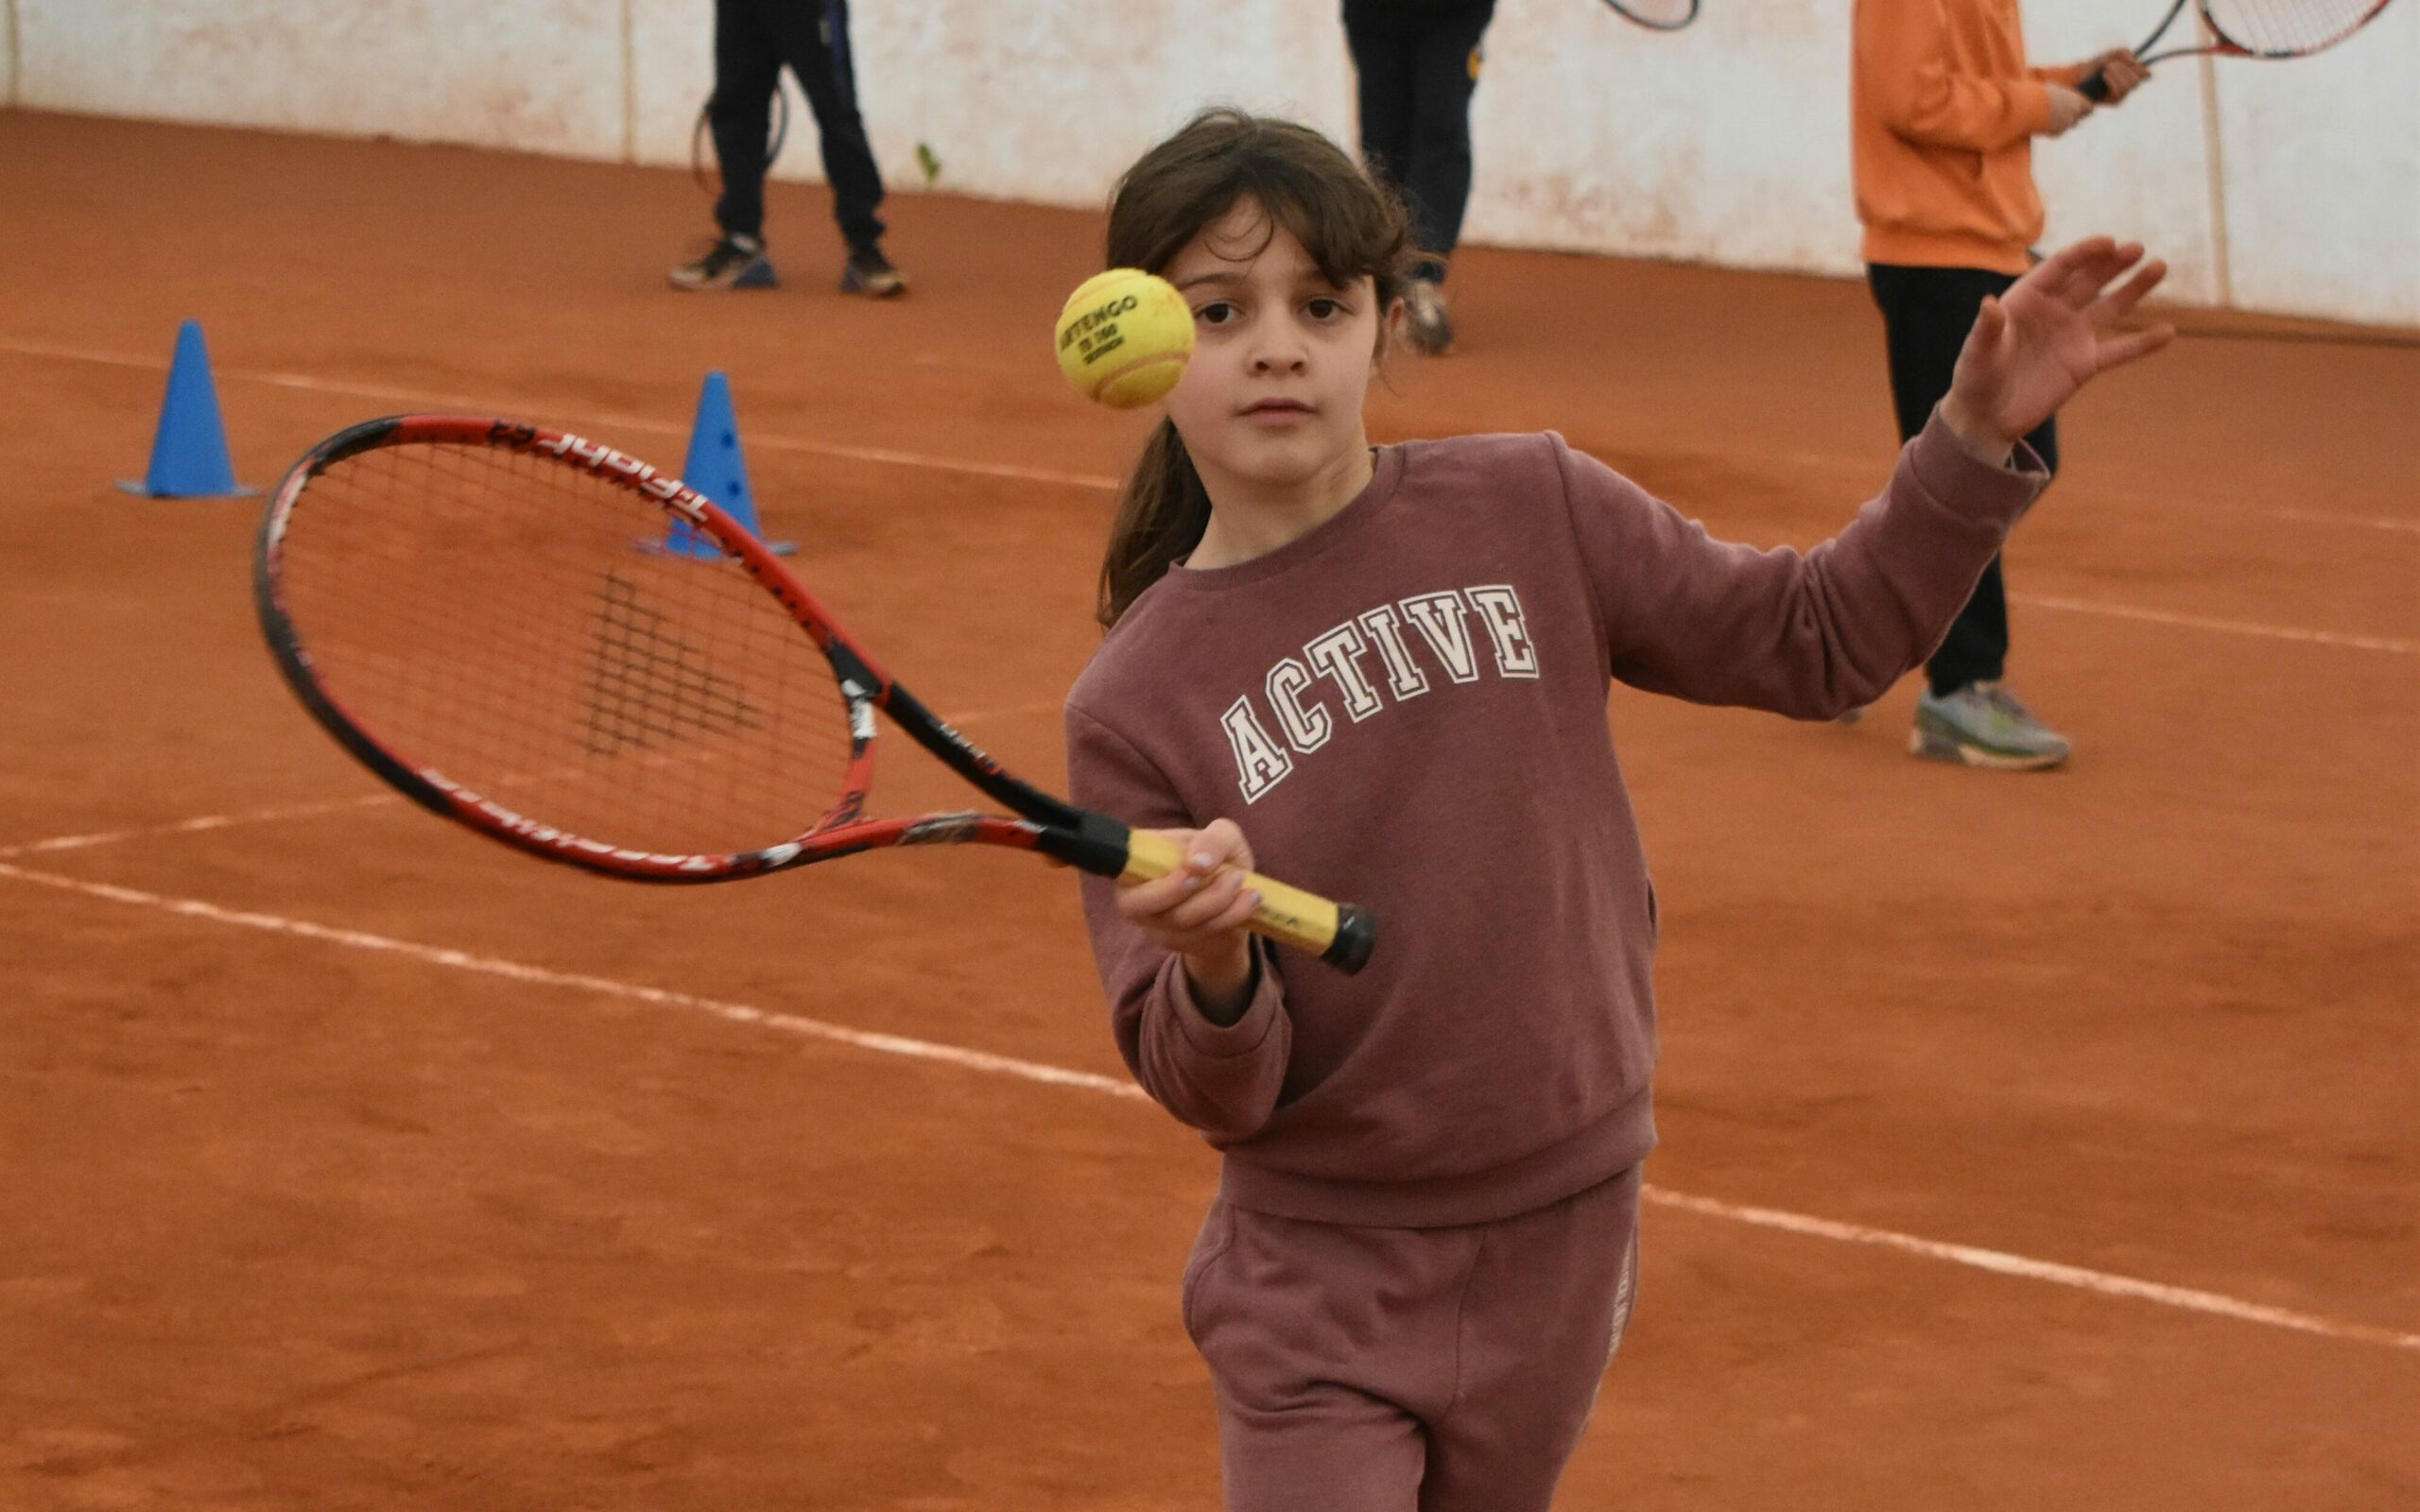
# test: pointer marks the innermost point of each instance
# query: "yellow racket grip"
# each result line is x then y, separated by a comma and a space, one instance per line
1338, 934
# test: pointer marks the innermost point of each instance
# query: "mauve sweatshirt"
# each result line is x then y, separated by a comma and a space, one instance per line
1404, 709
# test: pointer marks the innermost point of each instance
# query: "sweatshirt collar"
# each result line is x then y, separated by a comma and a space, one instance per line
1386, 471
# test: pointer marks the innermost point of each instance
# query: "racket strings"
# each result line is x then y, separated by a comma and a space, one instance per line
521, 628
647, 686
2284, 27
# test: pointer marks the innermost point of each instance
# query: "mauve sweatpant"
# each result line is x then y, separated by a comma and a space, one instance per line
1409, 1370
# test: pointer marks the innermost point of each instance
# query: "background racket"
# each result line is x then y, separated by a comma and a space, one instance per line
552, 642
701, 142
1656, 15
2255, 28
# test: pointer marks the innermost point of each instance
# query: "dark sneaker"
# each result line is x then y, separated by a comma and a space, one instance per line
871, 274
1983, 725
1424, 318
733, 262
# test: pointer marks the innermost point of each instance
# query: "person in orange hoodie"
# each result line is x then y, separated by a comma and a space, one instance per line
1943, 114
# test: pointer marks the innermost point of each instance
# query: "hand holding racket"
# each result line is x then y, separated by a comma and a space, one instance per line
1199, 912
2032, 347
550, 642
2253, 29
2120, 74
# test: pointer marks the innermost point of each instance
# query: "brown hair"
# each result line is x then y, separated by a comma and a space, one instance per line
1353, 228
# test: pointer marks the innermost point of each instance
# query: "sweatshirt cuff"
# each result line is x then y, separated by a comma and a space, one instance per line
2033, 106
1226, 1041
1951, 477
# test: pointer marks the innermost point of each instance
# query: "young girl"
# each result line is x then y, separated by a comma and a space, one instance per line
1392, 664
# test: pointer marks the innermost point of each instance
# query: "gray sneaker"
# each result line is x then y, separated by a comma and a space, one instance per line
1983, 725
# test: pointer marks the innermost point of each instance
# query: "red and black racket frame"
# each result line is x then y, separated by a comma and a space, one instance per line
1093, 842
2093, 87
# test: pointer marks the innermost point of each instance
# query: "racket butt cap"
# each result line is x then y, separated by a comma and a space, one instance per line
1357, 934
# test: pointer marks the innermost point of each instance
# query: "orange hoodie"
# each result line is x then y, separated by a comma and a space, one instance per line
1942, 113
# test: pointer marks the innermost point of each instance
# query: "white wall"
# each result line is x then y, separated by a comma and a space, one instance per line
2287, 187
8, 51
541, 76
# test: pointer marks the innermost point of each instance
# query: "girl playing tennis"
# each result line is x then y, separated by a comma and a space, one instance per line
1392, 664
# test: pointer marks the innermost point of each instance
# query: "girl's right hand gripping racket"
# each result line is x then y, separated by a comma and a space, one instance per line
558, 646
2255, 28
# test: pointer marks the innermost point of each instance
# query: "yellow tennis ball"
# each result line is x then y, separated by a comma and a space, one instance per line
1124, 337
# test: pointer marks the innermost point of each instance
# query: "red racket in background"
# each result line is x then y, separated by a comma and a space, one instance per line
2255, 28
548, 640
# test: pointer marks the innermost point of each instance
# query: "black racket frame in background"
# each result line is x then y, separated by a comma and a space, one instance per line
2092, 86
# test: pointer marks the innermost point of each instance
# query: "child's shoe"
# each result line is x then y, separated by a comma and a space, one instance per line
871, 274
1983, 725
734, 262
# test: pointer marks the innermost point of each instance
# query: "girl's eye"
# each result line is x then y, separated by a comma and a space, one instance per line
1217, 312
1325, 309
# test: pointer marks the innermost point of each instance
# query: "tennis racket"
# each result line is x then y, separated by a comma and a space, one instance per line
1656, 15
552, 642
2255, 28
702, 141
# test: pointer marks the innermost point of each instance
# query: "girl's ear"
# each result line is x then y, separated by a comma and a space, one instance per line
1389, 333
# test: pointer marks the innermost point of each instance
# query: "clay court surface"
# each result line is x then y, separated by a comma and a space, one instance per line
351, 1160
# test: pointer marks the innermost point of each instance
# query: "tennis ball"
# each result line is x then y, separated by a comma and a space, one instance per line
1124, 337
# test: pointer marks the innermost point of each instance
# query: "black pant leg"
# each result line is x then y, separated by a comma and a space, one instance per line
748, 68
814, 40
1380, 39
1446, 76
1927, 313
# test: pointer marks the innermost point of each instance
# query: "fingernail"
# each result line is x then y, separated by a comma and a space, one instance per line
1201, 860
1254, 896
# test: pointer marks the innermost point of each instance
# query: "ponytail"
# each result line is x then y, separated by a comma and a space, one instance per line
1161, 514
1351, 226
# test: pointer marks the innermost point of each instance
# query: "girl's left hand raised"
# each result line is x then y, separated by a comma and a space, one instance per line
2034, 345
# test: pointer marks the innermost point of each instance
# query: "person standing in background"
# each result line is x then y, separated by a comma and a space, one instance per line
1417, 64
754, 39
1943, 111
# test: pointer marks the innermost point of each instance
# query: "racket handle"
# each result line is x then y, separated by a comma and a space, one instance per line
2094, 87
1338, 934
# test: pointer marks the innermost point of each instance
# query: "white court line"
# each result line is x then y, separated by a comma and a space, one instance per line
1993, 1261
2325, 517
339, 806
593, 420
540, 976
1001, 470
208, 821
422, 398
2003, 1263
1849, 467
2202, 622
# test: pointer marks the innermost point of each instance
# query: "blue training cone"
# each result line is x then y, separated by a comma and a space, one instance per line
189, 448
717, 469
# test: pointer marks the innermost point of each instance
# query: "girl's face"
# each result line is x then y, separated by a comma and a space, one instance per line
1282, 358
